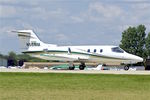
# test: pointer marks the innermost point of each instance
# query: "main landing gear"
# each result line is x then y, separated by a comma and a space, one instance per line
71, 66
81, 66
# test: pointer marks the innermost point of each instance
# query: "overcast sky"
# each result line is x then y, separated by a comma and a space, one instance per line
71, 22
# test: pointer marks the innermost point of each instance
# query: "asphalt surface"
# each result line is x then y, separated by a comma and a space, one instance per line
130, 72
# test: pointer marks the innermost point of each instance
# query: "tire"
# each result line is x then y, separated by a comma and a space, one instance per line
81, 67
71, 68
126, 68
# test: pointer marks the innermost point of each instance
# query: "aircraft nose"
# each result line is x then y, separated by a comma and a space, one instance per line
140, 59
137, 58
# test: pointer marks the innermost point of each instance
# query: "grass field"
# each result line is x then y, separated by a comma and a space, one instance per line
50, 86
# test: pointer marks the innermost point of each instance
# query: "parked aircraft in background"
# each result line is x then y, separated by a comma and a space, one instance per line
99, 67
65, 67
33, 46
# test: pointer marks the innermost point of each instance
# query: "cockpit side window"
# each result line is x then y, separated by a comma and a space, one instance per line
117, 50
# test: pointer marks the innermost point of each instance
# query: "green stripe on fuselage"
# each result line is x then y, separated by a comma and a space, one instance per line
57, 51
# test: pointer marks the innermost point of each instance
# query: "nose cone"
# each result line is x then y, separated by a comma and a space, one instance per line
136, 58
139, 59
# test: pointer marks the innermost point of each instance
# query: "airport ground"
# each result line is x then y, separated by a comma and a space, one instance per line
121, 72
67, 86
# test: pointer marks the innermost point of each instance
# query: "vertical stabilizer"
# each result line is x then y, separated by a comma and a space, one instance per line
30, 41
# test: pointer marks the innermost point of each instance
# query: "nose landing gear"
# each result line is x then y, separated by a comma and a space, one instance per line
126, 67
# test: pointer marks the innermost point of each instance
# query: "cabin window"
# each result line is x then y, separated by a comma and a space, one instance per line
117, 50
94, 50
88, 50
101, 50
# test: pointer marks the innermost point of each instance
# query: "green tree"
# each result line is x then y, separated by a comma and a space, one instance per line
147, 44
1, 55
133, 40
13, 56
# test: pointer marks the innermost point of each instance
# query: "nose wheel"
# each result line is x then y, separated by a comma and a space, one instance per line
126, 67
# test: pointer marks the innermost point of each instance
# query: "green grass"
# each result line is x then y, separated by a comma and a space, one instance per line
50, 86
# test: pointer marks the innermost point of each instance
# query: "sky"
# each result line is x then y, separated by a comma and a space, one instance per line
71, 22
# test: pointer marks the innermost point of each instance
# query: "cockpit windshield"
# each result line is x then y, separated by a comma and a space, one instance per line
117, 50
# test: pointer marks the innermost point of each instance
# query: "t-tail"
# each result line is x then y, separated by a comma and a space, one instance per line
30, 41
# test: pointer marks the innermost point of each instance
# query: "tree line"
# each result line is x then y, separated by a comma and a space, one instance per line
135, 41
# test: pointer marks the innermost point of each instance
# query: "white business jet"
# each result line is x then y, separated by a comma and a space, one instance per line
34, 47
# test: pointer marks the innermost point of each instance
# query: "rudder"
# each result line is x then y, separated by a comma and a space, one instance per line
30, 41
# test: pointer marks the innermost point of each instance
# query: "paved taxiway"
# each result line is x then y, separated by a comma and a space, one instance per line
77, 71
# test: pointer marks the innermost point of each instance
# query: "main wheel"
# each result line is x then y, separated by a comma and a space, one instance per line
81, 67
71, 67
126, 67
